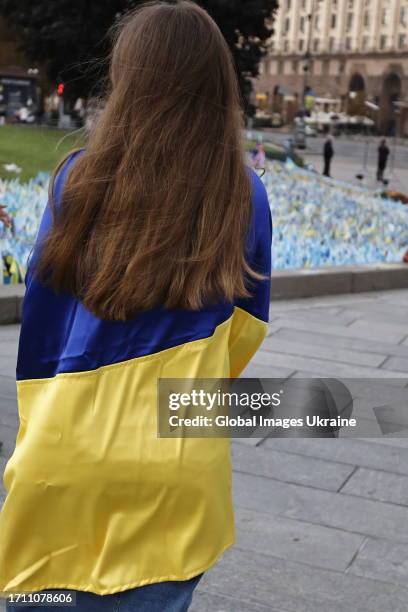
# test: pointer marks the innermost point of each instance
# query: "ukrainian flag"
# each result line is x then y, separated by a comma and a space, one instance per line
95, 500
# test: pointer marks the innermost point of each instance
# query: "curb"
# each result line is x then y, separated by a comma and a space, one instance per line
286, 285
304, 283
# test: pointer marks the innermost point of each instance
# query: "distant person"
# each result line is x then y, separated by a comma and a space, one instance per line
259, 156
328, 153
4, 216
383, 154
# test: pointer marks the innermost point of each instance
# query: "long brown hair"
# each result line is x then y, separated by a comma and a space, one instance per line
156, 210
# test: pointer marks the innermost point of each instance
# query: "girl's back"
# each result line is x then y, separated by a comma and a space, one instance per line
119, 296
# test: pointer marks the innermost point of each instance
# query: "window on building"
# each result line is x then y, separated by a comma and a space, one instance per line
302, 24
301, 44
404, 16
351, 4
316, 43
348, 43
317, 22
333, 20
295, 66
332, 43
288, 4
385, 16
365, 43
402, 41
350, 18
287, 25
272, 67
366, 19
383, 41
303, 4
286, 45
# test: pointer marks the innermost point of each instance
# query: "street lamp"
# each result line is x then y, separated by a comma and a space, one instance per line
398, 106
307, 56
375, 108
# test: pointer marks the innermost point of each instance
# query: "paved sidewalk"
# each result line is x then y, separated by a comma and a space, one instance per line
322, 525
346, 169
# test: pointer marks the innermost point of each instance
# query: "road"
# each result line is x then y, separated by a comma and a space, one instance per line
321, 524
349, 159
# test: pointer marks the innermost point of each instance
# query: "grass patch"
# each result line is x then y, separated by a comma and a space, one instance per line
34, 149
39, 149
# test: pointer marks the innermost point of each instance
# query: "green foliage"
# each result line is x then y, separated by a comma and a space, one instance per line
70, 37
34, 149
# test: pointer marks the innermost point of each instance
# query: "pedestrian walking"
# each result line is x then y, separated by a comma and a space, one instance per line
328, 153
383, 154
152, 261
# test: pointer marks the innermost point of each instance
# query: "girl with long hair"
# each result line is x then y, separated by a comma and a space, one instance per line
152, 261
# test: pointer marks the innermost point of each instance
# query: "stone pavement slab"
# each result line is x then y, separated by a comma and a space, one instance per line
289, 467
372, 454
294, 540
339, 511
255, 579
359, 329
396, 364
359, 345
293, 347
381, 486
322, 367
382, 560
322, 525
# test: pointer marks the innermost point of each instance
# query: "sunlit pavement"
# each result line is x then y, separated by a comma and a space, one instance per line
354, 157
347, 169
321, 524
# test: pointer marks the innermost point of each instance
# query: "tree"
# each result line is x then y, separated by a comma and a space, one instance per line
69, 37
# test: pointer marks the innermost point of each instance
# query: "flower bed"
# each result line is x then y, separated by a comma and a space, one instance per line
321, 222
317, 221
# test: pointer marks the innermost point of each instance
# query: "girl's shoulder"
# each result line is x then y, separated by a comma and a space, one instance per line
260, 201
62, 171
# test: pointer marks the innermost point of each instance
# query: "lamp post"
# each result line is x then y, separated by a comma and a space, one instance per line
397, 112
306, 66
398, 106
375, 108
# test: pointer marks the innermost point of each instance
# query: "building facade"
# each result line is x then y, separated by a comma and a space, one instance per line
347, 51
